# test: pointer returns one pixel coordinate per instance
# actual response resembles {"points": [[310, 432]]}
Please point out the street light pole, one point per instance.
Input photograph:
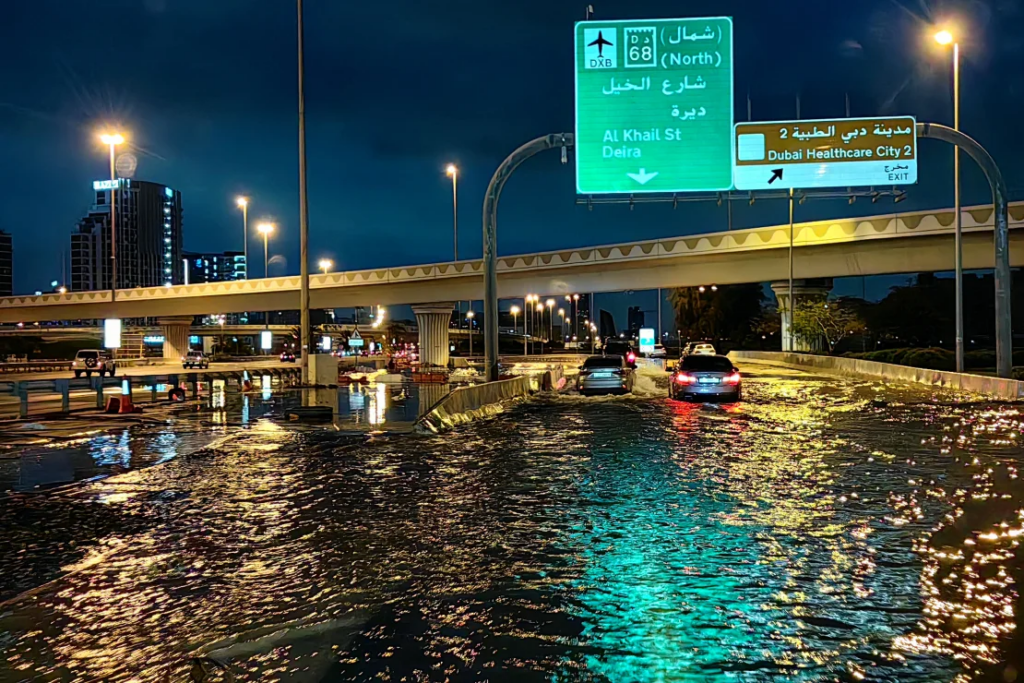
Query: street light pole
{"points": [[243, 203], [959, 239], [303, 209], [792, 296], [469, 318], [945, 38], [551, 319], [515, 325], [112, 140], [490, 237], [265, 229], [540, 320], [453, 172]]}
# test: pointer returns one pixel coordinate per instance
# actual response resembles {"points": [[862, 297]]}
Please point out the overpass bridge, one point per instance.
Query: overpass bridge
{"points": [[890, 243], [876, 245]]}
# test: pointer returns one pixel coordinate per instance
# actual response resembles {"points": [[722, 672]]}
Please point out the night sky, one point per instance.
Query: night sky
{"points": [[398, 89]]}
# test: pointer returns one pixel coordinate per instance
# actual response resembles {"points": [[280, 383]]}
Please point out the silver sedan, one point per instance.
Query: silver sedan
{"points": [[605, 375]]}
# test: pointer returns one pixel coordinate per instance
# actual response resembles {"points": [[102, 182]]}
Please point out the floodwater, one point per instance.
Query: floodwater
{"points": [[40, 456], [823, 530]]}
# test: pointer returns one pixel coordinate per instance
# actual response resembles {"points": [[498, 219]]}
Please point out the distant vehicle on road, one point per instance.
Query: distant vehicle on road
{"points": [[605, 375], [658, 352], [195, 359], [619, 347], [287, 357], [701, 377], [88, 361], [699, 349]]}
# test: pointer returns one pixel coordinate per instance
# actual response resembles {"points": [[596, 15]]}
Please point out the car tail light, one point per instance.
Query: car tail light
{"points": [[74, 363], [734, 378], [683, 378]]}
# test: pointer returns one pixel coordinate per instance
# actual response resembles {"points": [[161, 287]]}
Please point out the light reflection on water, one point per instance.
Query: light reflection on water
{"points": [[822, 530], [63, 458]]}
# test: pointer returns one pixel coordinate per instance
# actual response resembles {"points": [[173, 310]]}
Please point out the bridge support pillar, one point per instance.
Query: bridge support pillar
{"points": [[804, 290], [176, 331], [433, 321]]}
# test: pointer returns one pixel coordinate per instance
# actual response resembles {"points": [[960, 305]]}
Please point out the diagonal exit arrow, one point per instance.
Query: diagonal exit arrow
{"points": [[776, 175], [643, 177]]}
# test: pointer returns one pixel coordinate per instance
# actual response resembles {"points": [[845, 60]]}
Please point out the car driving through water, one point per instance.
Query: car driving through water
{"points": [[701, 377], [605, 375]]}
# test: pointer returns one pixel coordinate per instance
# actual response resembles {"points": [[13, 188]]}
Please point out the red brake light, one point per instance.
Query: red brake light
{"points": [[631, 356], [734, 378], [683, 378]]}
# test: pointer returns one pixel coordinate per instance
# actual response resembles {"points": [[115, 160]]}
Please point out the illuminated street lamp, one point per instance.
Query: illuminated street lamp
{"points": [[325, 264], [515, 325], [243, 204], [539, 323], [112, 140], [528, 320], [575, 314], [945, 37], [561, 324], [469, 318], [453, 173], [550, 303], [265, 229]]}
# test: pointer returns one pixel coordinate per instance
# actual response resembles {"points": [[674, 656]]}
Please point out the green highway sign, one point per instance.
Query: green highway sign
{"points": [[654, 105]]}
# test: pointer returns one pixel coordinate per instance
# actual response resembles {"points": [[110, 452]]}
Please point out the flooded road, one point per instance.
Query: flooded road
{"points": [[824, 529]]}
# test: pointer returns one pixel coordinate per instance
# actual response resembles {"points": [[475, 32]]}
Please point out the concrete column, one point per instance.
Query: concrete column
{"points": [[804, 289], [433, 321], [176, 331]]}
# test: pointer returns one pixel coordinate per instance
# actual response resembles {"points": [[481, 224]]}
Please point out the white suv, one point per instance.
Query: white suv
{"points": [[195, 359], [88, 361], [699, 349]]}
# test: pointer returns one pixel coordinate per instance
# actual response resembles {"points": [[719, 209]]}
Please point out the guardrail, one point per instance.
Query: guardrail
{"points": [[35, 366], [23, 389]]}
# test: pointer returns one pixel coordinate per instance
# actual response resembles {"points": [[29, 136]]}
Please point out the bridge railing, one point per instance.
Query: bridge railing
{"points": [[62, 388]]}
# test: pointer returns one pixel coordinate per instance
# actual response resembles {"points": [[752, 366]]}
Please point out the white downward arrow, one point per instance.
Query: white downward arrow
{"points": [[643, 176]]}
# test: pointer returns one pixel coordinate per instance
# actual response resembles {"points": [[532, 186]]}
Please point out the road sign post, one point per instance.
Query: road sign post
{"points": [[827, 153], [654, 105]]}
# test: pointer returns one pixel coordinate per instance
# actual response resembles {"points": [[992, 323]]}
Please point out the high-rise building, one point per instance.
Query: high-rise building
{"points": [[6, 264], [634, 319], [149, 237], [219, 267]]}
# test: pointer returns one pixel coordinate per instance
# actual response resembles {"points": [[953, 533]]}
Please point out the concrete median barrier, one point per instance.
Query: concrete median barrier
{"points": [[1005, 389], [469, 403]]}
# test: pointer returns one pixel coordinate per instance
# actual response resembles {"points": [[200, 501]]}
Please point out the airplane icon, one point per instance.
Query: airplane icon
{"points": [[600, 42]]}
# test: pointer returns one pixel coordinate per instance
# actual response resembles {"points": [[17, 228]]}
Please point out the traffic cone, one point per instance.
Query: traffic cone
{"points": [[126, 398]]}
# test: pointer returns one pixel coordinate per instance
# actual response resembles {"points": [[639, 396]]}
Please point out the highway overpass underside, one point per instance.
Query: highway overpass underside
{"points": [[931, 253]]}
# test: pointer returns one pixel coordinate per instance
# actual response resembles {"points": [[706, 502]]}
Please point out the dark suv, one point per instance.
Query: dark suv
{"points": [[88, 361], [618, 347]]}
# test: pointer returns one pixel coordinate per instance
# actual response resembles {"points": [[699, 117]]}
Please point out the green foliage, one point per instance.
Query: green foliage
{"points": [[930, 358], [730, 313], [830, 320]]}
